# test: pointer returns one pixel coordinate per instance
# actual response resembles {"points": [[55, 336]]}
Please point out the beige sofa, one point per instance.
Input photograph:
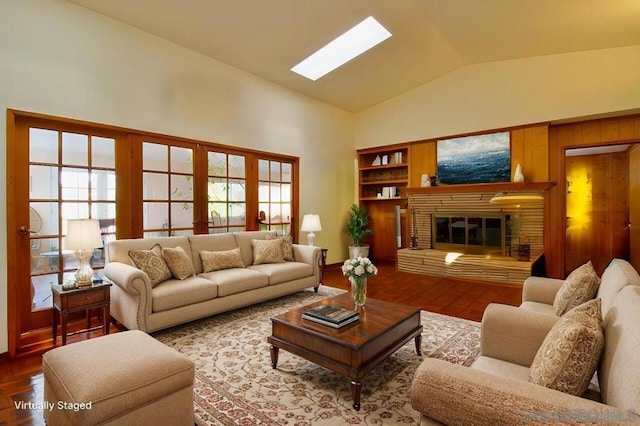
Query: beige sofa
{"points": [[496, 390], [139, 306]]}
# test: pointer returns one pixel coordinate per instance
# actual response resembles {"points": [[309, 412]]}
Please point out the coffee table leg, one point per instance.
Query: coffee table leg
{"points": [[274, 355], [418, 341], [356, 387]]}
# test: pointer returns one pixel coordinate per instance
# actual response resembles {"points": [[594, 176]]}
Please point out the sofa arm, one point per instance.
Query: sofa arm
{"points": [[134, 296], [310, 255], [541, 290], [458, 395], [512, 334]]}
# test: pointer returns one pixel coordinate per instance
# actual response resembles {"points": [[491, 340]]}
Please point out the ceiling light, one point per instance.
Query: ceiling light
{"points": [[352, 43]]}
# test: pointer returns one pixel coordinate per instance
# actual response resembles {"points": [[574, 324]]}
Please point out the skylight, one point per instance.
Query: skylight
{"points": [[352, 43]]}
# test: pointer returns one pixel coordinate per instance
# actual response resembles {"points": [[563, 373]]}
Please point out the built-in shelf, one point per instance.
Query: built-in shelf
{"points": [[480, 187]]}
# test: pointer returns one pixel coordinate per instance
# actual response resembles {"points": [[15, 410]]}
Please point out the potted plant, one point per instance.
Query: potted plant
{"points": [[358, 228]]}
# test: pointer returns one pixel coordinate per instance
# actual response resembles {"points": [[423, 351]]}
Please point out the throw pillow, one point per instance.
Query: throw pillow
{"points": [[179, 262], [581, 285], [570, 353], [287, 245], [267, 251], [151, 263], [217, 260]]}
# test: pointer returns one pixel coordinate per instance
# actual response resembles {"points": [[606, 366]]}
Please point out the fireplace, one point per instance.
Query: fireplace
{"points": [[487, 233]]}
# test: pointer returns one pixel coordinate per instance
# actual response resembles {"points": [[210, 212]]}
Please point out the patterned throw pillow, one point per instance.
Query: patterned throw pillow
{"points": [[217, 260], [179, 263], [151, 263], [287, 245], [267, 251], [570, 353], [581, 285]]}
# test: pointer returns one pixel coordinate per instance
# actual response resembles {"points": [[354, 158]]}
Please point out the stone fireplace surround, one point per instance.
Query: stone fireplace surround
{"points": [[469, 200]]}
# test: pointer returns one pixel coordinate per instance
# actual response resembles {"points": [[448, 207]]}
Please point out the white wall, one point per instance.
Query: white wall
{"points": [[63, 60], [507, 93]]}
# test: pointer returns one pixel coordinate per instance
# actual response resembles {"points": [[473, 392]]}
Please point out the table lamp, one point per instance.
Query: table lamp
{"points": [[83, 235], [310, 224]]}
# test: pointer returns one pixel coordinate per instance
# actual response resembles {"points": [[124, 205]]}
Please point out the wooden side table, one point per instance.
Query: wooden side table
{"points": [[66, 302], [323, 263]]}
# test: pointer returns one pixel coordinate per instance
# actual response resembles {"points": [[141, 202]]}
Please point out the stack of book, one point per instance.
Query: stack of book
{"points": [[333, 316]]}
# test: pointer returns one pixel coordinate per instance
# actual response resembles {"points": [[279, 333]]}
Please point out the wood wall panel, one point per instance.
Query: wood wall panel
{"points": [[422, 159], [530, 149], [634, 206]]}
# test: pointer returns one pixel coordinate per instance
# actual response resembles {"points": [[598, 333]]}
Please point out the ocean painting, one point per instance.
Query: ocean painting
{"points": [[475, 159]]}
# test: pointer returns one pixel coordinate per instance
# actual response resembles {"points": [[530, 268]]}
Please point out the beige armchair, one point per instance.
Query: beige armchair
{"points": [[495, 390]]}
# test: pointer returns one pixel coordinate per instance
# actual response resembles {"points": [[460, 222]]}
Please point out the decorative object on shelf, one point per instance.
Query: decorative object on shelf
{"points": [[517, 175], [357, 271], [377, 161], [311, 223], [83, 235], [358, 228], [425, 180], [385, 159]]}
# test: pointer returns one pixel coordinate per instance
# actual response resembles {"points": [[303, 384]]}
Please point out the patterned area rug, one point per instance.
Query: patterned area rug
{"points": [[235, 384]]}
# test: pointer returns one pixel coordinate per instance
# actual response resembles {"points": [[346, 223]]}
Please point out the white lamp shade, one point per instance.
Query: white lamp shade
{"points": [[311, 223], [83, 234]]}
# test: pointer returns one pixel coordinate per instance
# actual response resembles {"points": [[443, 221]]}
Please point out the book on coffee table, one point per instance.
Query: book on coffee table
{"points": [[333, 316]]}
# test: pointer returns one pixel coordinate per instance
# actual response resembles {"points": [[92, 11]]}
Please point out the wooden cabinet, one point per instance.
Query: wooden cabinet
{"points": [[383, 172]]}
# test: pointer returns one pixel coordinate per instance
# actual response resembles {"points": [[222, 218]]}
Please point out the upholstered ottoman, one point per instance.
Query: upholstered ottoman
{"points": [[126, 378]]}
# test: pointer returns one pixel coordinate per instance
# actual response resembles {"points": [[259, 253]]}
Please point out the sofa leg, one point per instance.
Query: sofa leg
{"points": [[316, 288]]}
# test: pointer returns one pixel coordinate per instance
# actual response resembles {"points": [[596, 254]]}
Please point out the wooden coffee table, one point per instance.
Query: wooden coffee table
{"points": [[354, 349]]}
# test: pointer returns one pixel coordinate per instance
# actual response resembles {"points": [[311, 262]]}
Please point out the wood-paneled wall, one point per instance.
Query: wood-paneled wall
{"points": [[608, 131], [634, 206]]}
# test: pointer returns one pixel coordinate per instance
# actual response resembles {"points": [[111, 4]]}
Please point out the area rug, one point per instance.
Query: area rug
{"points": [[235, 384]]}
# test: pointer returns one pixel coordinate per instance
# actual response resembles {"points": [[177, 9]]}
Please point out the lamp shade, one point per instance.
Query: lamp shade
{"points": [[311, 223], [83, 234]]}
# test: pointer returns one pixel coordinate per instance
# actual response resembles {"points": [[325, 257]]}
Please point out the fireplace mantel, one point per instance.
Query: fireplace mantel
{"points": [[479, 187]]}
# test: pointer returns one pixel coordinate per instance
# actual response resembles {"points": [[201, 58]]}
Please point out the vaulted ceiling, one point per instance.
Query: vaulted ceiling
{"points": [[430, 37]]}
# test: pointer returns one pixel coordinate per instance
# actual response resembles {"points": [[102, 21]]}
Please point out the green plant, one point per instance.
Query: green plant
{"points": [[358, 224]]}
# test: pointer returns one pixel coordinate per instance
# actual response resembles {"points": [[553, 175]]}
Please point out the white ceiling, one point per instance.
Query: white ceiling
{"points": [[430, 37]]}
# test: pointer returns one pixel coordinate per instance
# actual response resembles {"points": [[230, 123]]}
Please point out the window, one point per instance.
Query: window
{"points": [[226, 192]]}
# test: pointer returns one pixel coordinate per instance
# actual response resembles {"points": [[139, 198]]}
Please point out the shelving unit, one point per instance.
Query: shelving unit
{"points": [[383, 173]]}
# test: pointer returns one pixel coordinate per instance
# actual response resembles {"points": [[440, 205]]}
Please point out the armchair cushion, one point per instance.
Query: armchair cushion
{"points": [[581, 285], [151, 263], [570, 353]]}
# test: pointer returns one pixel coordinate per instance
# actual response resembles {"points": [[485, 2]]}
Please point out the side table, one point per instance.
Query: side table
{"points": [[323, 263], [66, 302]]}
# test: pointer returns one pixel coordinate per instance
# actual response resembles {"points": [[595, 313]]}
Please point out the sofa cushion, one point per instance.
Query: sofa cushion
{"points": [[175, 293], [237, 280], [283, 272], [179, 262], [217, 260], [581, 285], [287, 245], [618, 274], [151, 263], [243, 240], [570, 353], [618, 374], [209, 242], [267, 251]]}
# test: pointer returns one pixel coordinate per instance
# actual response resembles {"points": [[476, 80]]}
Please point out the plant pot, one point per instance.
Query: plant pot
{"points": [[358, 251]]}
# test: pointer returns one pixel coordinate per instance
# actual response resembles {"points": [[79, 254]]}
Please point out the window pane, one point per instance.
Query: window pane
{"points": [[154, 186], [236, 190], [286, 172], [275, 171], [48, 213], [75, 149], [286, 212], [103, 185], [217, 164], [275, 216], [155, 157], [218, 214], [43, 182], [236, 166], [73, 211], [105, 213], [275, 192], [263, 169], [155, 215], [263, 192], [103, 152], [43, 146], [217, 189], [43, 256], [74, 184], [237, 214], [181, 187], [286, 192], [182, 215], [41, 291], [181, 160]]}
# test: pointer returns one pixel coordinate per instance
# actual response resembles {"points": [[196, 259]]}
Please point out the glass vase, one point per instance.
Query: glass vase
{"points": [[358, 290]]}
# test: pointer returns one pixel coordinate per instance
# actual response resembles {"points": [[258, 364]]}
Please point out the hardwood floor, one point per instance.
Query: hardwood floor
{"points": [[22, 380]]}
